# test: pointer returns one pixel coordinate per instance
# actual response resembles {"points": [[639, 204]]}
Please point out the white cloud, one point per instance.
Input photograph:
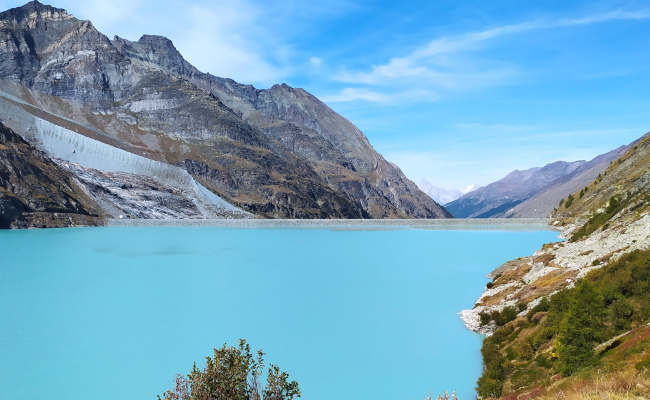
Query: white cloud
{"points": [[316, 61], [227, 40], [352, 94], [449, 63], [106, 13]]}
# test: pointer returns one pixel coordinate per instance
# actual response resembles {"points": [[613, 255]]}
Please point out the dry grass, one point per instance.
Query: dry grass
{"points": [[544, 258], [621, 385]]}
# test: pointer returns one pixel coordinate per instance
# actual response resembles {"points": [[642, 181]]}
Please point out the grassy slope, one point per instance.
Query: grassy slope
{"points": [[526, 357], [621, 189], [529, 354]]}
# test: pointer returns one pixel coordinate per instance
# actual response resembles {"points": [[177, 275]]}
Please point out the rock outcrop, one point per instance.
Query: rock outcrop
{"points": [[36, 192]]}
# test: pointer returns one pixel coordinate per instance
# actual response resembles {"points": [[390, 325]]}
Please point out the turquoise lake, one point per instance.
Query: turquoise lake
{"points": [[114, 313]]}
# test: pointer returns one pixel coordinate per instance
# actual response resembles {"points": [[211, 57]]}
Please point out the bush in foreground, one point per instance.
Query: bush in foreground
{"points": [[233, 373]]}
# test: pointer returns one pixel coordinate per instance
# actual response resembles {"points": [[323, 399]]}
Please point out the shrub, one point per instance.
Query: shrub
{"points": [[501, 335], [543, 305], [232, 373], [508, 314], [621, 314], [525, 350], [521, 306], [526, 375], [543, 336], [543, 361], [511, 353], [490, 285], [643, 364], [485, 318], [569, 201], [614, 205]]}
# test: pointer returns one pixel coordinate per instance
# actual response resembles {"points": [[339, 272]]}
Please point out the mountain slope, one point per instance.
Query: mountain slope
{"points": [[618, 195], [532, 193], [496, 198], [277, 152], [543, 202], [534, 307], [36, 192], [303, 124]]}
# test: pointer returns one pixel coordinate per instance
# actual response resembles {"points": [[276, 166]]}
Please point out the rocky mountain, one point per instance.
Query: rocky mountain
{"points": [[36, 192], [543, 202], [498, 197], [532, 193], [275, 153]]}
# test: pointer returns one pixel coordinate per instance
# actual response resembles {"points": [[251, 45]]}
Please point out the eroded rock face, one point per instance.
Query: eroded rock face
{"points": [[337, 150], [278, 152], [128, 195], [36, 192]]}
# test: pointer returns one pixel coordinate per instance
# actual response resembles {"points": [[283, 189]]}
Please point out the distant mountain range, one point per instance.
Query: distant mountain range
{"points": [[534, 192], [278, 153], [442, 195]]}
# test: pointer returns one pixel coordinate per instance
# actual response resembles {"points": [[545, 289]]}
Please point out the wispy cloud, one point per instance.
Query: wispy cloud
{"points": [[350, 94], [228, 40], [449, 63], [247, 40], [107, 13], [315, 61]]}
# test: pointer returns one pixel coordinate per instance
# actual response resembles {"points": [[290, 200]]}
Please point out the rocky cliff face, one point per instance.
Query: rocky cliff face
{"points": [[278, 152], [36, 192]]}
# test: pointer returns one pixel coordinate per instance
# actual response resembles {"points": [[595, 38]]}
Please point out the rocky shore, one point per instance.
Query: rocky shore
{"points": [[526, 280]]}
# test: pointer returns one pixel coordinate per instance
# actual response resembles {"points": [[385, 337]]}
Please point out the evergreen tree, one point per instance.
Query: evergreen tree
{"points": [[581, 328]]}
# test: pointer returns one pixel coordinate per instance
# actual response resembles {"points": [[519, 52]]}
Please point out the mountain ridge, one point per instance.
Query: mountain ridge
{"points": [[531, 193]]}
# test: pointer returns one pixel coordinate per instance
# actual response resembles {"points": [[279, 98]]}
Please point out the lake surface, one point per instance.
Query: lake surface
{"points": [[115, 313]]}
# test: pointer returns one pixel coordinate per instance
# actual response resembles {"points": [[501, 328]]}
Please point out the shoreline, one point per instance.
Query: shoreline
{"points": [[563, 259], [514, 224]]}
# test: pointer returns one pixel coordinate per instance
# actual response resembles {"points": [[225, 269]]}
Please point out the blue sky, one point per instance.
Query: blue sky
{"points": [[453, 92]]}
